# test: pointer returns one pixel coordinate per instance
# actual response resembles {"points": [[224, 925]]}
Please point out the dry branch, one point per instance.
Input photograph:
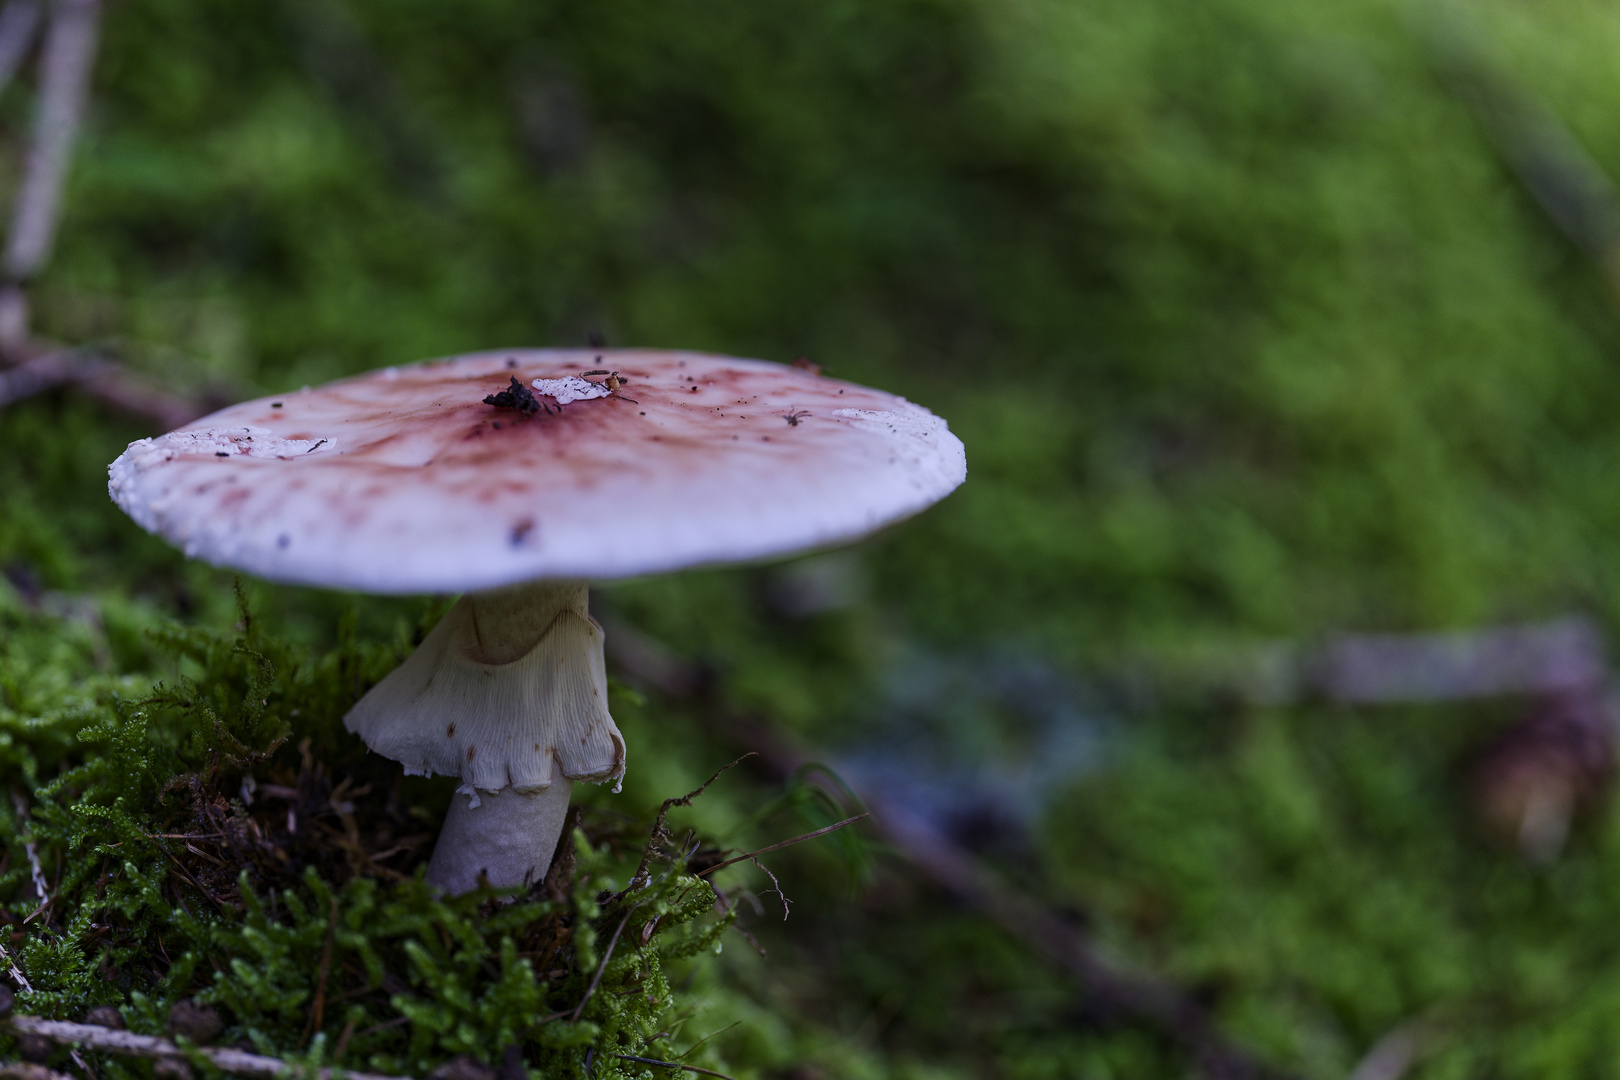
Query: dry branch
{"points": [[1140, 997], [27, 1070], [45, 372], [1550, 163], [19, 21], [65, 64], [128, 1044], [101, 379]]}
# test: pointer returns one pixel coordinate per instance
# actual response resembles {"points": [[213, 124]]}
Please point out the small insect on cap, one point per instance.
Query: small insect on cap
{"points": [[407, 480]]}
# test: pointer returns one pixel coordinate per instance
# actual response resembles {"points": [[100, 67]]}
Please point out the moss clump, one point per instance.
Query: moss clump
{"points": [[189, 850]]}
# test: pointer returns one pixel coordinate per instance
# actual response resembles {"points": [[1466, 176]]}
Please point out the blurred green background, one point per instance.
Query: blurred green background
{"points": [[1251, 332]]}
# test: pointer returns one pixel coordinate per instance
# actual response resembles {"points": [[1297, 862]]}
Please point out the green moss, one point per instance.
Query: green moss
{"points": [[1248, 330], [164, 887]]}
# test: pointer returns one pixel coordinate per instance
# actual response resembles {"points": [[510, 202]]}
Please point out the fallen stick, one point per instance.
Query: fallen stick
{"points": [[117, 389], [64, 86], [104, 380], [19, 21], [1562, 656], [128, 1044], [27, 1070], [45, 372], [1551, 164], [67, 58], [1143, 998], [1551, 658]]}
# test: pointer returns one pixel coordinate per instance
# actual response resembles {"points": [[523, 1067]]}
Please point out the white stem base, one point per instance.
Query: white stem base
{"points": [[507, 839]]}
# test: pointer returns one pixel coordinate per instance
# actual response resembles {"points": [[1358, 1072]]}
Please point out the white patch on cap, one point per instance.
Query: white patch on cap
{"points": [[570, 388]]}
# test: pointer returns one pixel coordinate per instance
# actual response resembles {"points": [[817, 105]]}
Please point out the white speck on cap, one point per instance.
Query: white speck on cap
{"points": [[570, 389], [408, 482]]}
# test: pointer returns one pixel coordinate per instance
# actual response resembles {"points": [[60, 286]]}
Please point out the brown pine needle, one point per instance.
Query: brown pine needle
{"points": [[317, 1014], [343, 1040], [785, 843], [195, 883]]}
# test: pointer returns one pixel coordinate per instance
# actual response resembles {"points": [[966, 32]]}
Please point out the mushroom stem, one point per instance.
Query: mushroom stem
{"points": [[509, 693], [507, 623], [504, 839]]}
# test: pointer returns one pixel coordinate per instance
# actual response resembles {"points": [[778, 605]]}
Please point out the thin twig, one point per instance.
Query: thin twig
{"points": [[129, 1044], [115, 388], [1555, 169], [785, 843], [1159, 1003], [19, 21], [670, 1065], [641, 878], [104, 380], [46, 372], [1394, 1054], [178, 865], [776, 885], [600, 968], [65, 64]]}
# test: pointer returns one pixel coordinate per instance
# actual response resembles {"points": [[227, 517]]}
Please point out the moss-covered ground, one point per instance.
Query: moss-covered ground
{"points": [[1251, 335]]}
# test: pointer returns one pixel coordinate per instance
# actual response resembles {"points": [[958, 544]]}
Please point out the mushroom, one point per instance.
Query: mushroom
{"points": [[514, 478]]}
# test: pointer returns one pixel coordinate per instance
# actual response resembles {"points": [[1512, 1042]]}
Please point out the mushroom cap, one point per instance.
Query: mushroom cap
{"points": [[405, 481]]}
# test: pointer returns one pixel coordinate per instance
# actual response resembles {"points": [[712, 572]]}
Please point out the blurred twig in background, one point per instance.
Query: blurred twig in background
{"points": [[65, 66], [101, 378], [19, 20], [1532, 779], [66, 63], [1528, 783], [1559, 656], [1392, 1056], [1538, 148], [105, 1040], [1110, 988]]}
